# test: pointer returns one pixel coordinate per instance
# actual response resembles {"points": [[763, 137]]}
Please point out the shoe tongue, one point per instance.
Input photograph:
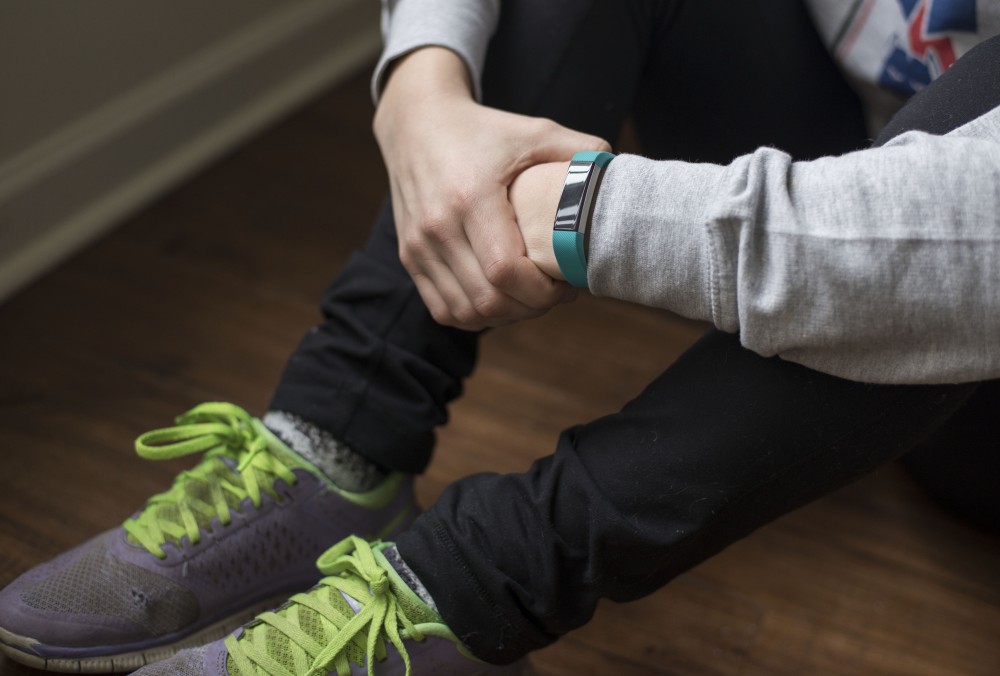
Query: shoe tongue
{"points": [[196, 488], [413, 606], [352, 602], [219, 467]]}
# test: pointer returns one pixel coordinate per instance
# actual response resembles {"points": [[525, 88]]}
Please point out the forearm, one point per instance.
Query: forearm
{"points": [[882, 265], [463, 27], [431, 73]]}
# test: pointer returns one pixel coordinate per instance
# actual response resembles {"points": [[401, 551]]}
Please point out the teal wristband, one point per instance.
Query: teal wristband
{"points": [[569, 232]]}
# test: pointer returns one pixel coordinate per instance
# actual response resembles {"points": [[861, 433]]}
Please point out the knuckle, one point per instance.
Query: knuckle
{"points": [[544, 126], [501, 273], [491, 306], [441, 315], [466, 316], [408, 256], [434, 227], [415, 244], [462, 198], [602, 144]]}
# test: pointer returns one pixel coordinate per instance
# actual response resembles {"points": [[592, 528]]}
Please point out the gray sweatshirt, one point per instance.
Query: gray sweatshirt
{"points": [[882, 265]]}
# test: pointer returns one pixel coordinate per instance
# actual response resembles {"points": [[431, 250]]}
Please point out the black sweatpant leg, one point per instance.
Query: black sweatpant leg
{"points": [[720, 444], [959, 463], [379, 371]]}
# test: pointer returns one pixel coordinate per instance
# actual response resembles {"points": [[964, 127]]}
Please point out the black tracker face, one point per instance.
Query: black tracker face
{"points": [[575, 190]]}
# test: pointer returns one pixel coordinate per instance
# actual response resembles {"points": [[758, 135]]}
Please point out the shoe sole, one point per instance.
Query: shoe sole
{"points": [[15, 647]]}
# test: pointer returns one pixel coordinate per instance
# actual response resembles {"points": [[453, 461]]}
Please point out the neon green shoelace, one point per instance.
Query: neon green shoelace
{"points": [[224, 432], [317, 631]]}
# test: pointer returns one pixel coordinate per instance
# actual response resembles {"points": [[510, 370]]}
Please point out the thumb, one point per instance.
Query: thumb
{"points": [[559, 143]]}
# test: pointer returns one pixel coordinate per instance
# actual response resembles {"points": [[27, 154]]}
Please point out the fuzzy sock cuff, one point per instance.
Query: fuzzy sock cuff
{"points": [[344, 466]]}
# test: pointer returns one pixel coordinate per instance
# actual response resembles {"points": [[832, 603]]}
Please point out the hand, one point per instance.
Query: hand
{"points": [[450, 162], [534, 194]]}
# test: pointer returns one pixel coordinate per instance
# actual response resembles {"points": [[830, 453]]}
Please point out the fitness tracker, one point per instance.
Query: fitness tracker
{"points": [[569, 232]]}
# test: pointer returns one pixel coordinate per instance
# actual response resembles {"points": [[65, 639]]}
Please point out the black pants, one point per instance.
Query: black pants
{"points": [[721, 443]]}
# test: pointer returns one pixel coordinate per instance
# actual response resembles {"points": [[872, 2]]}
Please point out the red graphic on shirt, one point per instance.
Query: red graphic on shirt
{"points": [[920, 44]]}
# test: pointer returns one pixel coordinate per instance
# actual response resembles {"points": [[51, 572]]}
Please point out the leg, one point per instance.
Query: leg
{"points": [[958, 464], [759, 76], [378, 373], [722, 443]]}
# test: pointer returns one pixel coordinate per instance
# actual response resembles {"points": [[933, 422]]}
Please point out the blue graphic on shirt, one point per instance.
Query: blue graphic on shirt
{"points": [[926, 51], [904, 74], [951, 15]]}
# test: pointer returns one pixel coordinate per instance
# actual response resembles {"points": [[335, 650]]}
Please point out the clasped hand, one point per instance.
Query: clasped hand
{"points": [[463, 178]]}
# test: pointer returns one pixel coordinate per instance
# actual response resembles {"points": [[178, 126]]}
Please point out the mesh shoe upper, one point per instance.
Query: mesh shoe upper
{"points": [[98, 583]]}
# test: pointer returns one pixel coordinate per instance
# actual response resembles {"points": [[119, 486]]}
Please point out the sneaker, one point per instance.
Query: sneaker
{"points": [[233, 536], [361, 619]]}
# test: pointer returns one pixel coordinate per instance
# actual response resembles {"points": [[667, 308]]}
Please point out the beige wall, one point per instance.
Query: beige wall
{"points": [[104, 104], [64, 58]]}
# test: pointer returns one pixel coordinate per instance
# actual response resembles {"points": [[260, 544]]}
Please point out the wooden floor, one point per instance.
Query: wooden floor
{"points": [[202, 296]]}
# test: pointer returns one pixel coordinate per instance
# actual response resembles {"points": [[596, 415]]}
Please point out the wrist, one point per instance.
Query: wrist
{"points": [[430, 75], [429, 70], [534, 195], [573, 214]]}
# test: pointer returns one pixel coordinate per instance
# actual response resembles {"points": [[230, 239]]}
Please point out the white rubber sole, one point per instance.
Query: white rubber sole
{"points": [[15, 647]]}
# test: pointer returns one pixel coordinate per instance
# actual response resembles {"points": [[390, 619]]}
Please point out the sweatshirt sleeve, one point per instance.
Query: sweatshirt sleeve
{"points": [[463, 26], [882, 265]]}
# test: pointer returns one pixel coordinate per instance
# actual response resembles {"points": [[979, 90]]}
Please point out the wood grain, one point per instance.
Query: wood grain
{"points": [[203, 295]]}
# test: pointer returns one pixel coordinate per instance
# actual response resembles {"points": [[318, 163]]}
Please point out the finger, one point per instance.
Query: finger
{"points": [[442, 251], [501, 254], [453, 286], [418, 256], [435, 279], [437, 306], [470, 296], [450, 306]]}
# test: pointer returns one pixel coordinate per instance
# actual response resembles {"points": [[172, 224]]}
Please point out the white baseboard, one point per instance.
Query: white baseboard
{"points": [[65, 191]]}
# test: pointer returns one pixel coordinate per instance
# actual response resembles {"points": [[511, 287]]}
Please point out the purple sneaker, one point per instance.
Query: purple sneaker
{"points": [[233, 536], [361, 619]]}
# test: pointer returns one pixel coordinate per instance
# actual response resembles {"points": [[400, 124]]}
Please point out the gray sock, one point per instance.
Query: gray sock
{"points": [[342, 464], [409, 577]]}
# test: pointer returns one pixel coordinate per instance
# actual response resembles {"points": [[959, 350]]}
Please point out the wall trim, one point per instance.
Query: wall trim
{"points": [[75, 185]]}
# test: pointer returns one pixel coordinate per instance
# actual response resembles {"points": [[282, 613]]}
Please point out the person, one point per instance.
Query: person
{"points": [[854, 291]]}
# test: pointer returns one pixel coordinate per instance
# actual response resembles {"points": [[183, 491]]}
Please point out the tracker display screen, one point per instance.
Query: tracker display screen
{"points": [[568, 213]]}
